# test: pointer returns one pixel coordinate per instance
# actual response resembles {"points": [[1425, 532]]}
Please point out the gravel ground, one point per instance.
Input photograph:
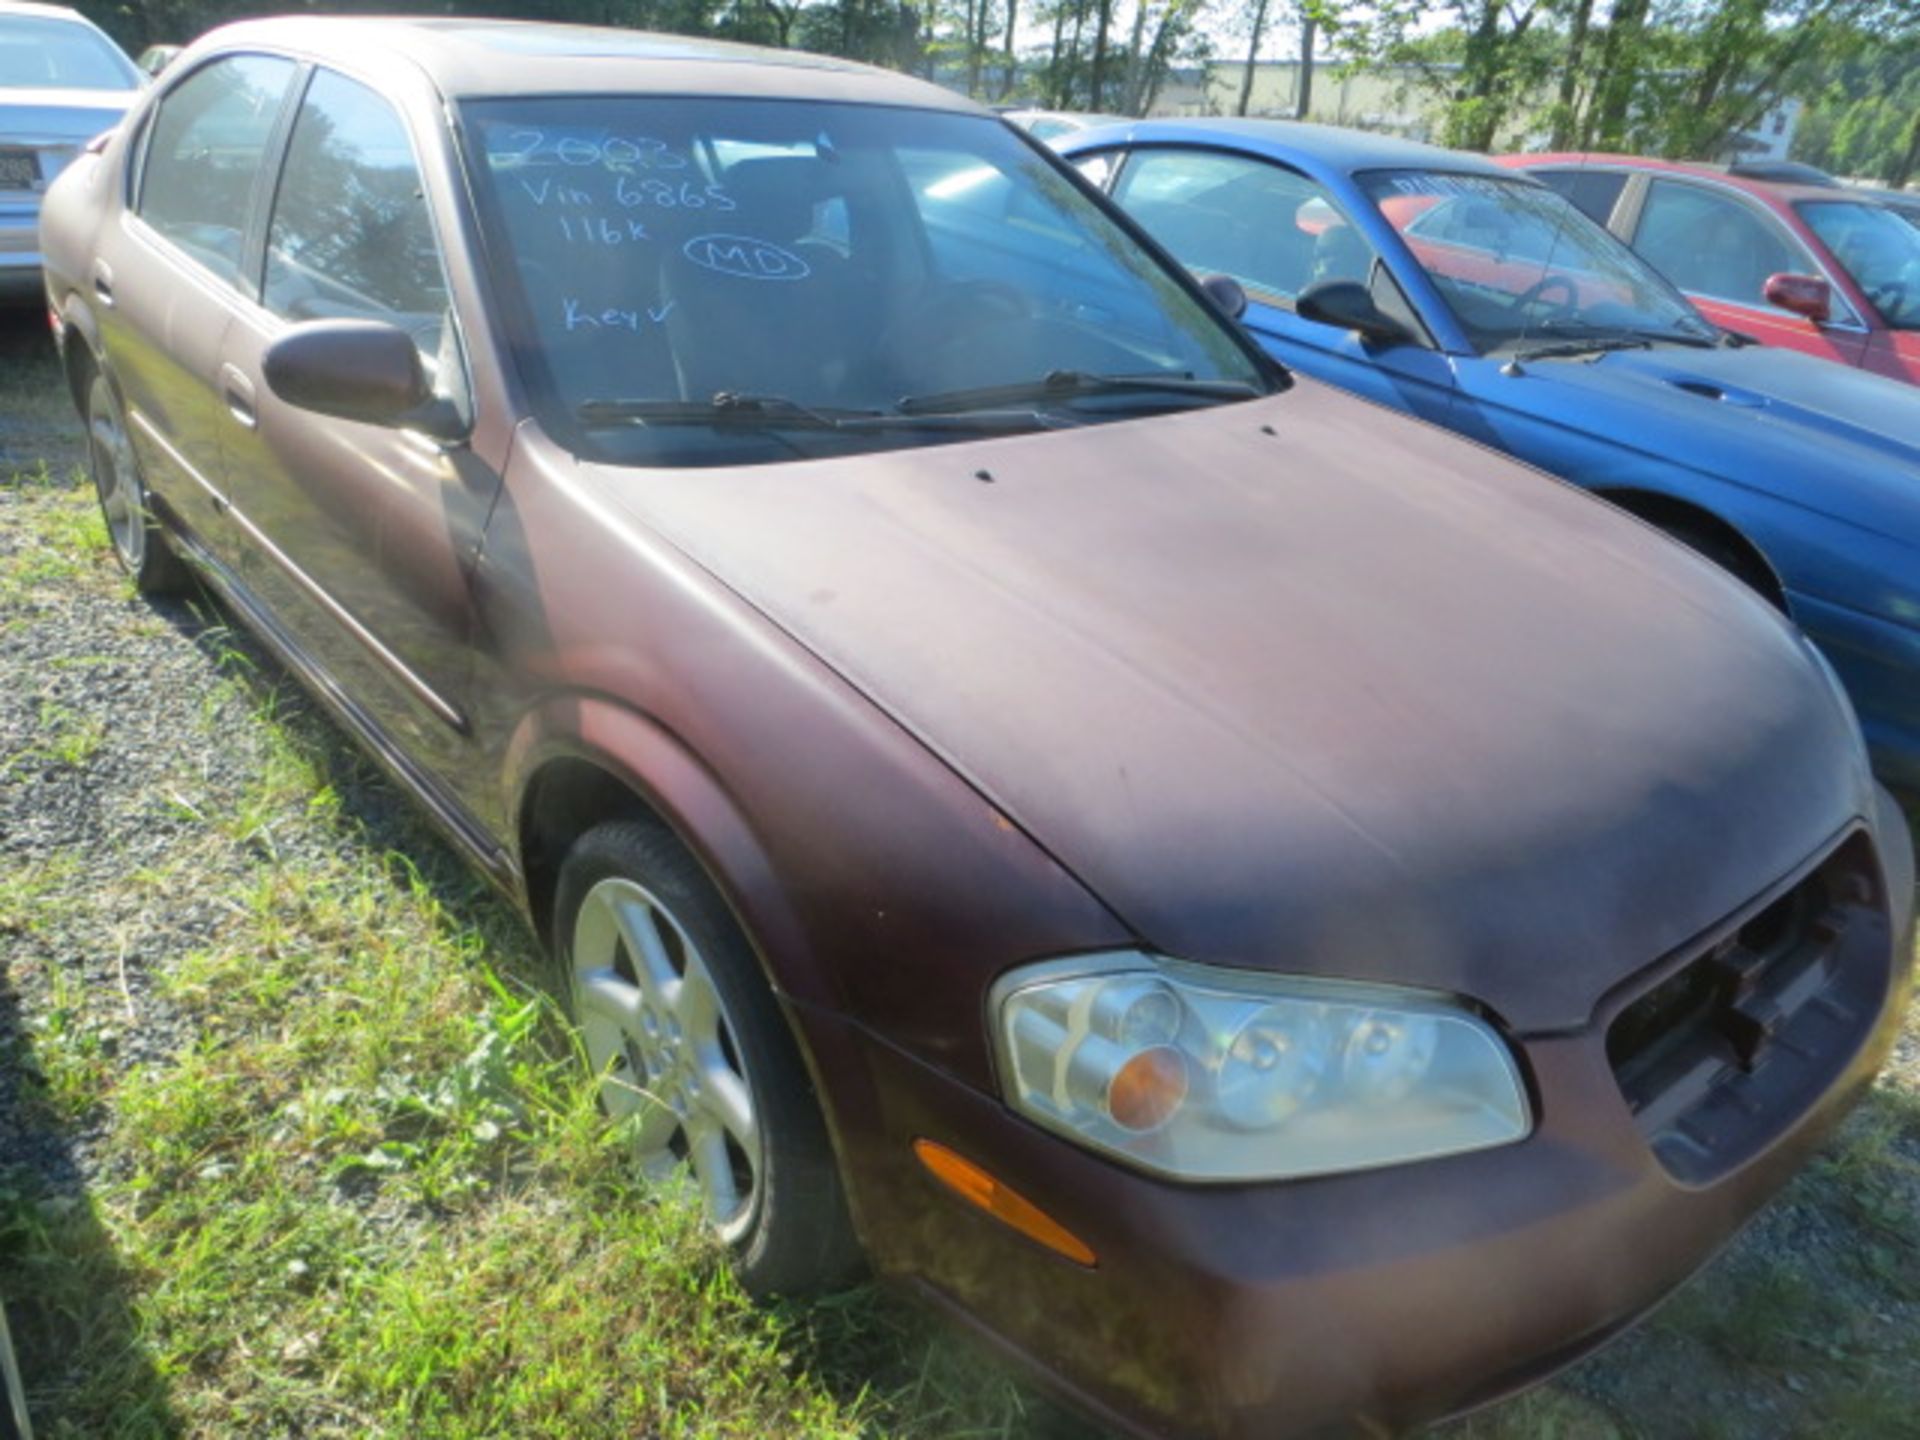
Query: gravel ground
{"points": [[106, 705]]}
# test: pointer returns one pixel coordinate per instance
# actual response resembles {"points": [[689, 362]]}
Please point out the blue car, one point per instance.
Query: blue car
{"points": [[1446, 287]]}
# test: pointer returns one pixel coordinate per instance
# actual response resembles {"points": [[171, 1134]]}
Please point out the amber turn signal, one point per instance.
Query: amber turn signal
{"points": [[978, 1188]]}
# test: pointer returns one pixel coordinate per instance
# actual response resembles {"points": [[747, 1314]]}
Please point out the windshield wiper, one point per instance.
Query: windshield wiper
{"points": [[1072, 384], [730, 409], [1681, 337], [725, 408], [1599, 343], [1583, 331]]}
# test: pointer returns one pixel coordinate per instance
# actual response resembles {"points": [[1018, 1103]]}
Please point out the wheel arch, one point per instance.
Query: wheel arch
{"points": [[80, 362], [584, 761], [1725, 543]]}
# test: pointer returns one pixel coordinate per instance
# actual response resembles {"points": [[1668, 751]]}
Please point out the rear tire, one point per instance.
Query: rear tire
{"points": [[695, 1055], [138, 542]]}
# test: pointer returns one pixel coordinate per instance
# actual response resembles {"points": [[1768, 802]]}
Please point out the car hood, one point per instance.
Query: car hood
{"points": [[1821, 435], [44, 116], [1299, 685]]}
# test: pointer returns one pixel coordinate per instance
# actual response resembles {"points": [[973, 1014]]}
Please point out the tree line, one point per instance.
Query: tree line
{"points": [[1679, 78]]}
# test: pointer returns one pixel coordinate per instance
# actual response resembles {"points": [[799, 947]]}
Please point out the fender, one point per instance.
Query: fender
{"points": [[77, 318], [669, 778]]}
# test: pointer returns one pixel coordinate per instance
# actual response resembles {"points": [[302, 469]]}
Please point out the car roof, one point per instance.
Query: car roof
{"points": [[1331, 147], [1777, 190], [44, 12], [471, 58]]}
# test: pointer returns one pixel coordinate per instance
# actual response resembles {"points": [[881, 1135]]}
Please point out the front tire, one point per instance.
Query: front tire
{"points": [[137, 540], [694, 1054]]}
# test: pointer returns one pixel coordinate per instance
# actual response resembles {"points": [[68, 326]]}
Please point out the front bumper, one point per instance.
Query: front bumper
{"points": [[1364, 1302]]}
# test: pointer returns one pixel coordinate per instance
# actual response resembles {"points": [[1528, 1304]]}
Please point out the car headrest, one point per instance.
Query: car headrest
{"points": [[777, 194]]}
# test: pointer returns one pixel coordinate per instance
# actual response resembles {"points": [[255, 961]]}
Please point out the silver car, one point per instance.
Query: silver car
{"points": [[62, 82]]}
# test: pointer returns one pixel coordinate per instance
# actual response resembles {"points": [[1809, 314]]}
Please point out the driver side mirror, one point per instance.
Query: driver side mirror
{"points": [[363, 370], [1807, 295], [1349, 305]]}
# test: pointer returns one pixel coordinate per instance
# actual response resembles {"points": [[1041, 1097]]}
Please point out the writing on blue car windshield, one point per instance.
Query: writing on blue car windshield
{"points": [[1518, 265], [702, 282]]}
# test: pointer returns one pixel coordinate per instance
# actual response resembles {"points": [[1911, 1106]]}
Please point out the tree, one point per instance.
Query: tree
{"points": [[1255, 30], [1566, 112], [1303, 96], [1863, 104], [1172, 31], [1096, 85], [1485, 68]]}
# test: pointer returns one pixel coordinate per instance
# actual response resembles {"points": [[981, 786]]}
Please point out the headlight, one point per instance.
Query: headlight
{"points": [[1204, 1074]]}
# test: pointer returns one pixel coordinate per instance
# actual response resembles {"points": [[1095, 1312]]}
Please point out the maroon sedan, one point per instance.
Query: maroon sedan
{"points": [[1279, 916]]}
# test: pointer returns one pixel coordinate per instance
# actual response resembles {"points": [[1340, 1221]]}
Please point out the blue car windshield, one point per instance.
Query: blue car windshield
{"points": [[725, 281], [1880, 250], [1516, 262]]}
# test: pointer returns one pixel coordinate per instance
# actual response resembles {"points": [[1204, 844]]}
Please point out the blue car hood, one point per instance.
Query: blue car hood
{"points": [[1764, 417]]}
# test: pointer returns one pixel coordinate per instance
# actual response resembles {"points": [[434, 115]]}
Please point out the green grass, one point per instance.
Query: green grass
{"points": [[377, 1197], [66, 544], [374, 1196]]}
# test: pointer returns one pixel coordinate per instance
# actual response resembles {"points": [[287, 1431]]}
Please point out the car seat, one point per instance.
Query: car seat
{"points": [[761, 300]]}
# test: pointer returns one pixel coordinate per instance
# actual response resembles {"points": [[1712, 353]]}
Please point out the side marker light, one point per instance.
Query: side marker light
{"points": [[979, 1189]]}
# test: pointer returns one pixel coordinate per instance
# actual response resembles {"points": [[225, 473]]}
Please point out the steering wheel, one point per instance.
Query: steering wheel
{"points": [[1538, 291]]}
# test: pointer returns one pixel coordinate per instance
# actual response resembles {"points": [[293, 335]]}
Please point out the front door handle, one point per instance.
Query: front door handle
{"points": [[238, 391], [103, 282]]}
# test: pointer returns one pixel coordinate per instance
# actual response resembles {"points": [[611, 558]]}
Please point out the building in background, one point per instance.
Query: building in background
{"points": [[1397, 100], [1771, 138]]}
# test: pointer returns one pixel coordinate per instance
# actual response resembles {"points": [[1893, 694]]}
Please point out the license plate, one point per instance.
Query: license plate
{"points": [[19, 169]]}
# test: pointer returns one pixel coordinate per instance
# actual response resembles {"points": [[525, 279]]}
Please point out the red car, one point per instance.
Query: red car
{"points": [[1830, 271]]}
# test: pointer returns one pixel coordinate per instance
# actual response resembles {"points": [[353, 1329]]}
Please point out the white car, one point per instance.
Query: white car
{"points": [[62, 82]]}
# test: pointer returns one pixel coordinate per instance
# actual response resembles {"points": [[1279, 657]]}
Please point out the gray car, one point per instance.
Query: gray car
{"points": [[62, 82]]}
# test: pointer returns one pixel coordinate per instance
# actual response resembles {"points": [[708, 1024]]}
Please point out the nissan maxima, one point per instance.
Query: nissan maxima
{"points": [[1281, 917]]}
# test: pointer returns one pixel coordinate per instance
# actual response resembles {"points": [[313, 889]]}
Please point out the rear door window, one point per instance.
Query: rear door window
{"points": [[203, 153], [1593, 192]]}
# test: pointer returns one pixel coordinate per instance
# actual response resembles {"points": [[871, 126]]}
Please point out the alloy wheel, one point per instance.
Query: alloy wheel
{"points": [[116, 477], [658, 1033]]}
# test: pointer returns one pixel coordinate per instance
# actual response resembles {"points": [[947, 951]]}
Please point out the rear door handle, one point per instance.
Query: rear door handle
{"points": [[238, 391], [103, 282]]}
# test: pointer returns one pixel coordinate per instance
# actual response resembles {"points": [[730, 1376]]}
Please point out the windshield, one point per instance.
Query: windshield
{"points": [[1879, 250], [701, 282], [1516, 261], [43, 54]]}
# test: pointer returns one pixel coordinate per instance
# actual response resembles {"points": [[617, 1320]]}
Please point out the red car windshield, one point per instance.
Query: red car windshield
{"points": [[1879, 250]]}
